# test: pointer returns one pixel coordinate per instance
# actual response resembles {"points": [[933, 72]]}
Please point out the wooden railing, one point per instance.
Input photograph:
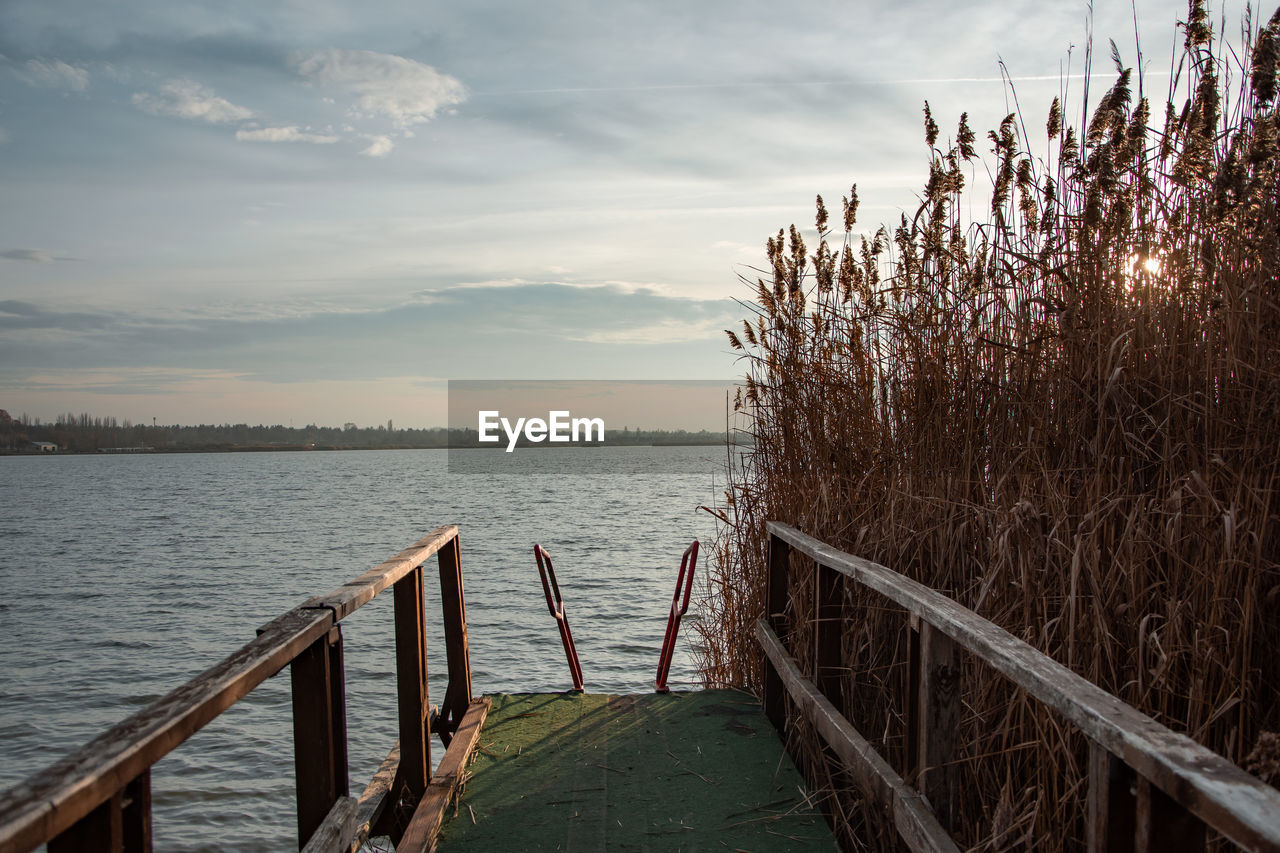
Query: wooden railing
{"points": [[99, 797], [1149, 788]]}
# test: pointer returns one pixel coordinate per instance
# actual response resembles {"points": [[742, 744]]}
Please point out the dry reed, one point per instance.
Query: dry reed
{"points": [[1064, 416]]}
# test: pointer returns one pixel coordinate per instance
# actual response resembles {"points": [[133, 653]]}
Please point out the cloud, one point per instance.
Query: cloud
{"points": [[663, 332], [119, 381], [284, 134], [39, 256], [55, 74], [4, 137], [380, 146], [401, 89], [188, 99], [494, 329], [738, 248]]}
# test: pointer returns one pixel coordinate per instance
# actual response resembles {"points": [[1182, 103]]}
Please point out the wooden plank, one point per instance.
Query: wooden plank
{"points": [[135, 812], [411, 685], [828, 635], [336, 832], [100, 831], [376, 800], [779, 570], [828, 665], [319, 732], [54, 799], [359, 591], [916, 824], [912, 703], [338, 712], [420, 835], [457, 697], [937, 718], [779, 566], [1111, 803], [1221, 794]]}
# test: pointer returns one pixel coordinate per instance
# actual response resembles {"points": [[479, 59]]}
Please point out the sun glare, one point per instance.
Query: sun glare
{"points": [[1141, 267]]}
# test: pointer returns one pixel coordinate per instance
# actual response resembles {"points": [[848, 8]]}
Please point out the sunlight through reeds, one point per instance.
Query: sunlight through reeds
{"points": [[1066, 416]]}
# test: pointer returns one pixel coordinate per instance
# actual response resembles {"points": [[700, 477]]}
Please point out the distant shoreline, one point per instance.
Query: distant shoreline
{"points": [[301, 448]]}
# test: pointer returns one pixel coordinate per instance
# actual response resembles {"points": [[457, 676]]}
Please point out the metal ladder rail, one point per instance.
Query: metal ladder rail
{"points": [[678, 609], [555, 604]]}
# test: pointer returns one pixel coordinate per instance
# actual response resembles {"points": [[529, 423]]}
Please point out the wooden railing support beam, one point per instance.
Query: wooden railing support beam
{"points": [[775, 615], [319, 731], [1163, 826], [135, 813], [457, 697], [938, 707], [411, 687], [829, 635], [121, 824], [1112, 800], [100, 831]]}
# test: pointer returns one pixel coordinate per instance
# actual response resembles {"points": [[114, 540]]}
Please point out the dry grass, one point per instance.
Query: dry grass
{"points": [[1067, 417]]}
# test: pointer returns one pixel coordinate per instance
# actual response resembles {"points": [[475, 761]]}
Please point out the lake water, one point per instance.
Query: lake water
{"points": [[127, 575]]}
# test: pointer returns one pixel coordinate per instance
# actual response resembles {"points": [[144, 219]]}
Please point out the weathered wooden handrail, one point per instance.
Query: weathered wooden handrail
{"points": [[1145, 781], [98, 797]]}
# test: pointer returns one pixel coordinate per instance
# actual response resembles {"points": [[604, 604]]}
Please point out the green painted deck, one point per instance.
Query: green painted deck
{"points": [[584, 772]]}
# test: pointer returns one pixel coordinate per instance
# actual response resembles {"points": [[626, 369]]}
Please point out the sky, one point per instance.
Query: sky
{"points": [[320, 212]]}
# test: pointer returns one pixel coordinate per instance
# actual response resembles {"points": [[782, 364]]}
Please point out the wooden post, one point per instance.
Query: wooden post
{"points": [[913, 699], [775, 615], [100, 831], [937, 702], [1111, 803], [828, 635], [319, 731], [121, 824], [411, 687], [457, 698], [135, 811], [1164, 825], [829, 670]]}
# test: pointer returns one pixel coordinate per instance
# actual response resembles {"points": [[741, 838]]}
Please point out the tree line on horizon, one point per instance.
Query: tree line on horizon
{"points": [[85, 433]]}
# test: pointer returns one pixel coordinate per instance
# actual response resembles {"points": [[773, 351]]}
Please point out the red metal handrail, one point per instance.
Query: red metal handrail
{"points": [[678, 609], [555, 603]]}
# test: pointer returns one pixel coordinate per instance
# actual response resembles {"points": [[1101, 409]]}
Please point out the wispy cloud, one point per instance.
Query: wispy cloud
{"points": [[380, 147], [284, 134], [737, 248], [403, 90], [745, 85], [565, 322], [188, 99], [116, 380], [38, 256], [55, 74], [663, 332]]}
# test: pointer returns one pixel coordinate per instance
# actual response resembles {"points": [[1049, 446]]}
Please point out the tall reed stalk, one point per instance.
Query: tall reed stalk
{"points": [[1066, 416]]}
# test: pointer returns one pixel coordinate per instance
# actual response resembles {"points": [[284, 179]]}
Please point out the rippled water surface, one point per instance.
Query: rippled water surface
{"points": [[126, 575]]}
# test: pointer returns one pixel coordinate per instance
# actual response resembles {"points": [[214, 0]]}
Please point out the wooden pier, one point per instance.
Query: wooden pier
{"points": [[587, 772], [701, 770]]}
